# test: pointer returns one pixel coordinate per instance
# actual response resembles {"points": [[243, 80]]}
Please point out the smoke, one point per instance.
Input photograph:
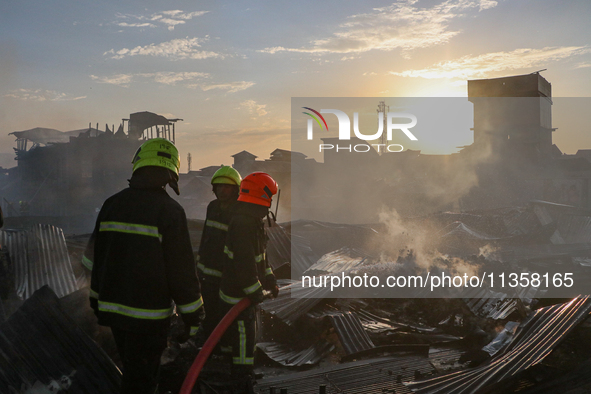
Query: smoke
{"points": [[489, 252], [412, 246]]}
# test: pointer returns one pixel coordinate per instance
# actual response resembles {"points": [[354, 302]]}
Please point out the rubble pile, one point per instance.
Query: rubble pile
{"points": [[519, 338]]}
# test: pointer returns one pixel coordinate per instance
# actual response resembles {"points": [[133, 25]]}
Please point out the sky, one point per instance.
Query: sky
{"points": [[230, 69]]}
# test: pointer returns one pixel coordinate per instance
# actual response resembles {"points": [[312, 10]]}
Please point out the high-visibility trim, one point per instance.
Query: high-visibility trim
{"points": [[192, 307], [268, 271], [251, 289], [209, 271], [194, 330], [228, 252], [242, 359], [218, 225], [228, 299], [93, 294], [138, 313], [130, 228], [88, 263]]}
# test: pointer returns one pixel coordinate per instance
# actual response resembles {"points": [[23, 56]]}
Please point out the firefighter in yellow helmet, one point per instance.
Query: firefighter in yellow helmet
{"points": [[141, 260], [210, 259]]}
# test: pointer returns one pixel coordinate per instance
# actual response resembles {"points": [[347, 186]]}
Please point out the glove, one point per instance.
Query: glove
{"points": [[274, 291], [191, 330], [256, 297], [270, 284], [201, 314], [185, 335], [188, 333]]}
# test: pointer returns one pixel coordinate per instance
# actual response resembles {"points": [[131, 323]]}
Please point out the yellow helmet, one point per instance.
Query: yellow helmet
{"points": [[158, 152], [226, 175]]}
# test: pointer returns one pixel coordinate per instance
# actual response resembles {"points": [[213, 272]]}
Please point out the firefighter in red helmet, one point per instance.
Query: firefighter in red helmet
{"points": [[247, 271]]}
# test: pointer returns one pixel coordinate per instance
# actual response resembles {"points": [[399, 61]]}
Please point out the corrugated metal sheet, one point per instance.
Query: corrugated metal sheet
{"points": [[384, 375], [325, 237], [534, 340], [577, 381], [49, 262], [341, 260], [489, 304], [41, 347], [488, 223], [16, 243], [459, 229], [353, 337], [520, 221], [284, 355], [294, 301], [284, 248], [2, 312], [575, 229], [514, 254], [40, 257]]}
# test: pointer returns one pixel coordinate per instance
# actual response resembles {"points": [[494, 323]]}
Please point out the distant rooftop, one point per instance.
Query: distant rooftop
{"points": [[529, 85]]}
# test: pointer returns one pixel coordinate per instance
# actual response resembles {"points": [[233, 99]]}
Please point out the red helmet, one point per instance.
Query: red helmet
{"points": [[258, 188]]}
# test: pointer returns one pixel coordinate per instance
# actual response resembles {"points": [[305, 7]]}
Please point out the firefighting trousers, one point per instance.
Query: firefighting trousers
{"points": [[140, 354], [210, 291], [241, 336]]}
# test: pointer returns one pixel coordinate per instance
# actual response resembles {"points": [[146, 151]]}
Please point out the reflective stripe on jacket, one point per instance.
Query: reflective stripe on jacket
{"points": [[246, 269], [211, 249], [142, 261]]}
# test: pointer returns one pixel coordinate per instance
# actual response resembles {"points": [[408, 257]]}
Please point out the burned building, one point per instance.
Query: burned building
{"points": [[65, 177], [513, 123], [513, 115]]}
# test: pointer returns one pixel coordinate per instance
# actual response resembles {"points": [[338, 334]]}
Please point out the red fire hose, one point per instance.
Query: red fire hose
{"points": [[209, 345]]}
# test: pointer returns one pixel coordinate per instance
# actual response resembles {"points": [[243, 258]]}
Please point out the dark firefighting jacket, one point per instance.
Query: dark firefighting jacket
{"points": [[246, 269], [210, 258], [141, 259]]}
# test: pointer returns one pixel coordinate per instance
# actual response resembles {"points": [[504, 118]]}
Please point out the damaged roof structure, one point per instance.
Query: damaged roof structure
{"points": [[65, 176], [485, 342], [491, 339], [43, 351]]}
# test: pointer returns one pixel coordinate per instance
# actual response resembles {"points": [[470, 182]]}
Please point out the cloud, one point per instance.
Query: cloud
{"points": [[41, 95], [119, 79], [231, 87], [181, 15], [167, 78], [402, 25], [171, 22], [483, 65], [172, 19], [486, 4], [125, 24], [177, 49], [187, 79], [253, 107]]}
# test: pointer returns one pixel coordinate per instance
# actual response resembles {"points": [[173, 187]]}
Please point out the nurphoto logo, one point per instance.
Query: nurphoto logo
{"points": [[345, 129]]}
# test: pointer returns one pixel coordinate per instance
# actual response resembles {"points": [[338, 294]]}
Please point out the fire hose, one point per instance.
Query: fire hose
{"points": [[209, 345]]}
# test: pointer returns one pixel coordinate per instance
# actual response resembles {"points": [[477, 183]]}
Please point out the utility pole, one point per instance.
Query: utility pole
{"points": [[189, 161], [382, 107]]}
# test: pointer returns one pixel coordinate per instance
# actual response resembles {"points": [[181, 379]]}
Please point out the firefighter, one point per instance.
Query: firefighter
{"points": [[210, 258], [246, 271], [141, 260]]}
